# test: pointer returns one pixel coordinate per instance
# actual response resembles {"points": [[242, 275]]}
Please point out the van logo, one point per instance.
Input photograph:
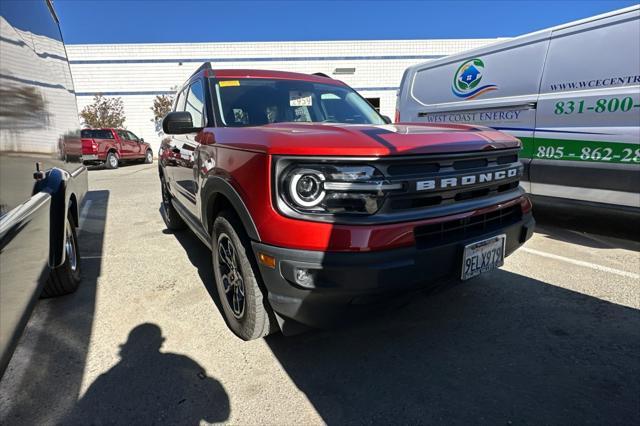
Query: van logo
{"points": [[466, 81]]}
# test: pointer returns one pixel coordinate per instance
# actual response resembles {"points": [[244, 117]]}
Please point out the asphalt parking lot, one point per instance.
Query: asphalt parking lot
{"points": [[553, 337]]}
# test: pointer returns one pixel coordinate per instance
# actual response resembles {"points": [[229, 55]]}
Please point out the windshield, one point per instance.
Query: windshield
{"points": [[254, 102]]}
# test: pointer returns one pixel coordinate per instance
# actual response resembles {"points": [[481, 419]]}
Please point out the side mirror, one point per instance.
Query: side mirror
{"points": [[141, 139], [386, 119], [178, 122]]}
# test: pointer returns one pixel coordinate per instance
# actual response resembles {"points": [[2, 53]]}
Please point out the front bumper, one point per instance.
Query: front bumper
{"points": [[343, 283]]}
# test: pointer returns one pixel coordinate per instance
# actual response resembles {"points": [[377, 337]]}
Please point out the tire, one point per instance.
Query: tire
{"points": [[171, 217], [65, 278], [245, 307], [148, 157], [111, 161]]}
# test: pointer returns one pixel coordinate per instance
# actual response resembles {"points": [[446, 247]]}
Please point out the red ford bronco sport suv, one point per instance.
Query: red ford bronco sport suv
{"points": [[315, 206], [112, 146]]}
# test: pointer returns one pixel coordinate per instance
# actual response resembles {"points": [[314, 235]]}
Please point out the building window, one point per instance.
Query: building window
{"points": [[375, 102]]}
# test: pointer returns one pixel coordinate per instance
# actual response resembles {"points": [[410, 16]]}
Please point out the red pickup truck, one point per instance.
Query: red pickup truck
{"points": [[112, 146]]}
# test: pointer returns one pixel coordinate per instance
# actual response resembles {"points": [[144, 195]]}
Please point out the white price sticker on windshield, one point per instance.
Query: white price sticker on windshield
{"points": [[297, 98]]}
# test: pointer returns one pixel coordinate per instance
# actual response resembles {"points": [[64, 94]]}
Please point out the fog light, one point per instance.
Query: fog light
{"points": [[303, 277]]}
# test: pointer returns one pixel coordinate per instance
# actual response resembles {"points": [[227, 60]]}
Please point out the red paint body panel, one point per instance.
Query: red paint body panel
{"points": [[311, 139], [244, 160], [272, 75]]}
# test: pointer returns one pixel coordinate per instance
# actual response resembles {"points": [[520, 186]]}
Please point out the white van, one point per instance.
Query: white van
{"points": [[570, 93]]}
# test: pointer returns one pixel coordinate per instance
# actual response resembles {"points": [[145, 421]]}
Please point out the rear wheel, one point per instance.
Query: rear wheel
{"points": [[244, 305], [112, 160], [65, 278], [171, 217], [148, 157]]}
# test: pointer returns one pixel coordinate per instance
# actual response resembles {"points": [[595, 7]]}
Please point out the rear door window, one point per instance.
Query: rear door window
{"points": [[96, 134]]}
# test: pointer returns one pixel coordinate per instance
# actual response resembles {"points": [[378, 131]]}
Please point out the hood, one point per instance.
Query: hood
{"points": [[364, 140]]}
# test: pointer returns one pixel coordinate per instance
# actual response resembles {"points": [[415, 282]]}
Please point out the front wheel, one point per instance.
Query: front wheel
{"points": [[244, 306], [148, 158], [65, 278]]}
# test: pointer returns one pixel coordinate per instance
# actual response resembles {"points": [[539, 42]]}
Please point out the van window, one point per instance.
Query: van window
{"points": [[195, 103]]}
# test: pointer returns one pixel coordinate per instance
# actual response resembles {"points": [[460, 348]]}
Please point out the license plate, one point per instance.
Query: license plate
{"points": [[483, 256], [89, 157]]}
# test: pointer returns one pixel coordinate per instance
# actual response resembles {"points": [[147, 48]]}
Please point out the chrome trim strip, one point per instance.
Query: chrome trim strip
{"points": [[348, 186]]}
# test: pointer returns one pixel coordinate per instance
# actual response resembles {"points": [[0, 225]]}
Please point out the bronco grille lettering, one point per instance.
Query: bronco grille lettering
{"points": [[452, 182]]}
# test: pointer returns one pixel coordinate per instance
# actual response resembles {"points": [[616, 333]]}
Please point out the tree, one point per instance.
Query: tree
{"points": [[103, 112], [161, 106]]}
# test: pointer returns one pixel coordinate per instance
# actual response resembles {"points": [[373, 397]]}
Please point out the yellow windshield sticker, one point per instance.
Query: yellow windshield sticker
{"points": [[227, 83]]}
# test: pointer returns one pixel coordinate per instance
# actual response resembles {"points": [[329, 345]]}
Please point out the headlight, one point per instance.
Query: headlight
{"points": [[334, 189], [305, 187]]}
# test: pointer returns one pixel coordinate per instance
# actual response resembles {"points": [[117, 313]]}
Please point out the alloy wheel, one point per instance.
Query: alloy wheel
{"points": [[232, 279], [70, 250]]}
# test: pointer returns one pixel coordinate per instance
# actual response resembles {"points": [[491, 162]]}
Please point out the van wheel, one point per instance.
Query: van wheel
{"points": [[65, 278], [171, 217], [112, 161], [148, 157], [245, 307]]}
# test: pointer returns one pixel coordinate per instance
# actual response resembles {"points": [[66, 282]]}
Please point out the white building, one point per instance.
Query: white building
{"points": [[139, 72]]}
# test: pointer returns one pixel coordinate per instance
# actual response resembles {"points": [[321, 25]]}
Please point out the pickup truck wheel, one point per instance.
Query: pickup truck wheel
{"points": [[65, 278], [171, 217], [245, 308], [148, 157], [112, 161]]}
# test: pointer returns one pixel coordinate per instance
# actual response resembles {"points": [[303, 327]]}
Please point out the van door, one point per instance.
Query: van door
{"points": [[495, 87], [587, 139]]}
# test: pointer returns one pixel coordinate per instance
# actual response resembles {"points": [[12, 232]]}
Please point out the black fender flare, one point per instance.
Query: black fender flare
{"points": [[214, 185], [59, 184]]}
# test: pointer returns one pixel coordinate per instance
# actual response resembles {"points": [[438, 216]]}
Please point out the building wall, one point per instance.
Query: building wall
{"points": [[139, 72]]}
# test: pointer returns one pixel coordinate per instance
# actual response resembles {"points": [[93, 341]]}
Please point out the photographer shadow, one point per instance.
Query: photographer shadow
{"points": [[152, 387]]}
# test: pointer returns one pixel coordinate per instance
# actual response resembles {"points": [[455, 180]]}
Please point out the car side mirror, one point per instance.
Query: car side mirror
{"points": [[178, 123], [386, 119], [141, 139]]}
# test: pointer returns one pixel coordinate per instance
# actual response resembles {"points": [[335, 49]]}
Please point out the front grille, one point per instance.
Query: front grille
{"points": [[473, 226], [410, 171]]}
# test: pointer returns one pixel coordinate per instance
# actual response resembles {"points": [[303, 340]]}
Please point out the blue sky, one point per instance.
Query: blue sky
{"points": [[163, 21]]}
